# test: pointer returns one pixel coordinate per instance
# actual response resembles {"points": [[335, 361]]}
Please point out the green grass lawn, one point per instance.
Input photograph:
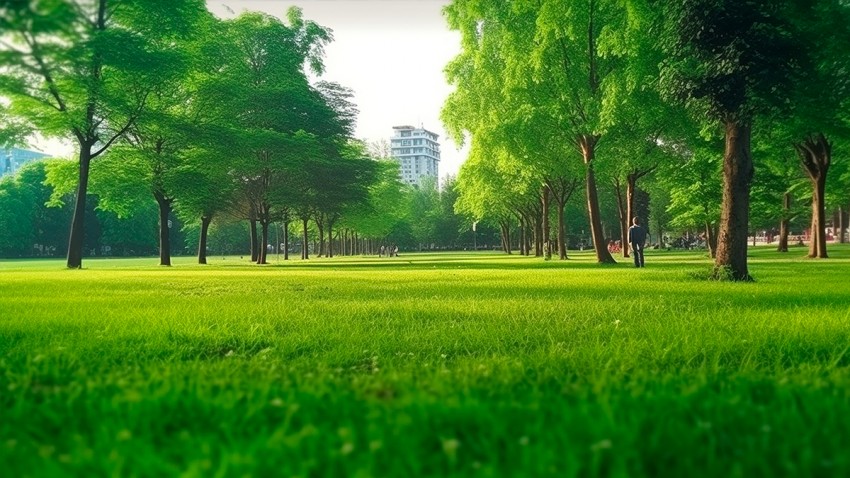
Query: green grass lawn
{"points": [[440, 365]]}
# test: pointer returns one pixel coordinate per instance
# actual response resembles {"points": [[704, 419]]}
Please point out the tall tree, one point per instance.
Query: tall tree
{"points": [[821, 100], [730, 62], [84, 70], [273, 108]]}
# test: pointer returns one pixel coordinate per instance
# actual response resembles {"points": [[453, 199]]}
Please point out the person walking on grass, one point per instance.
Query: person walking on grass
{"points": [[637, 238]]}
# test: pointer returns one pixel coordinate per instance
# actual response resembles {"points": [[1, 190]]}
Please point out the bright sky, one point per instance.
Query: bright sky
{"points": [[390, 52]]}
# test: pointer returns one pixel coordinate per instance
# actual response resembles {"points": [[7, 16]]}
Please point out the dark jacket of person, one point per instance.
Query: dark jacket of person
{"points": [[637, 235]]}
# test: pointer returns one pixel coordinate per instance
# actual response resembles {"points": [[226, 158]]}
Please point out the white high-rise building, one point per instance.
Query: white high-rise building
{"points": [[417, 152]]}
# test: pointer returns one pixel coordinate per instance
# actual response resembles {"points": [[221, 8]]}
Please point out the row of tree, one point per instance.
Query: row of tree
{"points": [[560, 96], [203, 117], [677, 201], [32, 224]]}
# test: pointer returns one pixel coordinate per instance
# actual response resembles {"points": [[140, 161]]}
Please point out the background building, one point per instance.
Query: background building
{"points": [[417, 152], [13, 158]]}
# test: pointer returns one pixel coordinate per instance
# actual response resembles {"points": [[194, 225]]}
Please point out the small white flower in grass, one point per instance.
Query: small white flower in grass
{"points": [[276, 402], [230, 353], [617, 323], [443, 355]]}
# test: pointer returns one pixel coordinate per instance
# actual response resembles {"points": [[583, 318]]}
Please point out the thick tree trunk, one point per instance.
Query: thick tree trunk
{"points": [[841, 225], [783, 224], [731, 260], [202, 241], [164, 232], [711, 239], [815, 153], [588, 148], [252, 228], [76, 240], [305, 238], [562, 232], [817, 246], [264, 242]]}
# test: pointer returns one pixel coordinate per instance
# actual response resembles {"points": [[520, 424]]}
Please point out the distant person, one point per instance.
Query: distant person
{"points": [[381, 251], [395, 251], [637, 238]]}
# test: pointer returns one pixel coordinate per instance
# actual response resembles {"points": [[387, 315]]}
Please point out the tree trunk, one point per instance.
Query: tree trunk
{"points": [[330, 239], [320, 225], [537, 233], [286, 240], [546, 230], [76, 241], [711, 239], [264, 242], [562, 232], [731, 260], [202, 242], [631, 186], [164, 233], [305, 254], [841, 225], [783, 224], [815, 153], [523, 250], [506, 236], [588, 147], [252, 223], [817, 246]]}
